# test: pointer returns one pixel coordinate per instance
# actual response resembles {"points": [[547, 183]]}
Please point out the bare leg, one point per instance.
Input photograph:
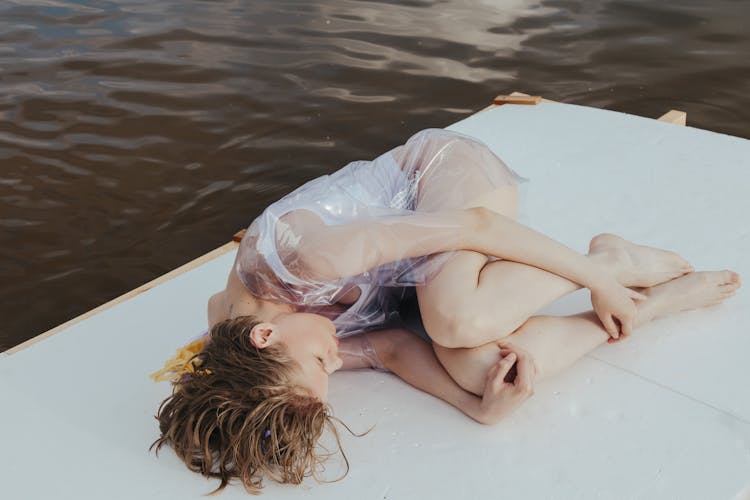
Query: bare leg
{"points": [[472, 299], [507, 293], [557, 342]]}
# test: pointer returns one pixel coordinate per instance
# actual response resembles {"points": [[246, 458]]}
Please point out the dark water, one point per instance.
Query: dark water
{"points": [[137, 135]]}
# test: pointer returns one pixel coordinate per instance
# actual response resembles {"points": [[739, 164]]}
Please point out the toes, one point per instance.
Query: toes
{"points": [[684, 264], [680, 262], [729, 284], [730, 277]]}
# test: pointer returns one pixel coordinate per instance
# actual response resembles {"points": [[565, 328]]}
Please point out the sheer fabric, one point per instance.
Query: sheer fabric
{"points": [[392, 185]]}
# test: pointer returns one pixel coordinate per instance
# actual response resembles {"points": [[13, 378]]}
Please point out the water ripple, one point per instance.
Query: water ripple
{"points": [[136, 135]]}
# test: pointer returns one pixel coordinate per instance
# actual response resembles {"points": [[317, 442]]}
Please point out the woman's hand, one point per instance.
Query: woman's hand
{"points": [[500, 397], [611, 299]]}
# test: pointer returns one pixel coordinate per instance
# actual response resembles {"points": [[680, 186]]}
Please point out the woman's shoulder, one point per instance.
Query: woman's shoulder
{"points": [[269, 267]]}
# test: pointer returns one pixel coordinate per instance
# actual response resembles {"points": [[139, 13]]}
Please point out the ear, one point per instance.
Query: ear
{"points": [[264, 334]]}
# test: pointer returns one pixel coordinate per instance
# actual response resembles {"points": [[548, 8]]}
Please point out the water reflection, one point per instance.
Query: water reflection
{"points": [[136, 135]]}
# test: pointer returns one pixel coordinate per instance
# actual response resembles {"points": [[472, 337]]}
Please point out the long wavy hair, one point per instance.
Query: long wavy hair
{"points": [[236, 413]]}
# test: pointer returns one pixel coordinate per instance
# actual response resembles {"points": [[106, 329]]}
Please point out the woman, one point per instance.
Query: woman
{"points": [[433, 219]]}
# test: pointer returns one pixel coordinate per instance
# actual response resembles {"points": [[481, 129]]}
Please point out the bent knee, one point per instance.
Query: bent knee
{"points": [[468, 367], [443, 330], [467, 332], [444, 326]]}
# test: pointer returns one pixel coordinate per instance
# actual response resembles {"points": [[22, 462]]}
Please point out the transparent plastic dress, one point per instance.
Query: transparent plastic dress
{"points": [[357, 350], [436, 169]]}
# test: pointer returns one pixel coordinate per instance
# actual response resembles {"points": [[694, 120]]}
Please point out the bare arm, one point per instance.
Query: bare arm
{"points": [[332, 252], [413, 360]]}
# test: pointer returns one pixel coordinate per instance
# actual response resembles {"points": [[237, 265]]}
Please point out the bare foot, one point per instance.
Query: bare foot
{"points": [[692, 291], [637, 265]]}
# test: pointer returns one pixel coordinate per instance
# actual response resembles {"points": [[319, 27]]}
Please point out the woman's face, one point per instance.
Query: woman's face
{"points": [[310, 339]]}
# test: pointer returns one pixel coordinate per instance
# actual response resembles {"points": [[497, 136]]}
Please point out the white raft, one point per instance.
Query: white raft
{"points": [[665, 414]]}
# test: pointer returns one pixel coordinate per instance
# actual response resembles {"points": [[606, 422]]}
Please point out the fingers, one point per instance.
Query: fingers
{"points": [[524, 378], [522, 354], [627, 328], [609, 325], [526, 370], [502, 368], [636, 295]]}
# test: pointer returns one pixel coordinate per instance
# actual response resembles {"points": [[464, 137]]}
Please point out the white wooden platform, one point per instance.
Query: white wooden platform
{"points": [[664, 415]]}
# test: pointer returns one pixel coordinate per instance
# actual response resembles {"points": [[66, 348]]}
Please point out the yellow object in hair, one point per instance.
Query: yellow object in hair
{"points": [[180, 363]]}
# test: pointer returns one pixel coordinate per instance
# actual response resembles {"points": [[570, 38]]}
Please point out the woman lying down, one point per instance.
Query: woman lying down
{"points": [[320, 277]]}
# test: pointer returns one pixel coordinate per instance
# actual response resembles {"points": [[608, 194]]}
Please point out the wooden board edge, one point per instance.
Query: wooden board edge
{"points": [[213, 254], [514, 94], [673, 116]]}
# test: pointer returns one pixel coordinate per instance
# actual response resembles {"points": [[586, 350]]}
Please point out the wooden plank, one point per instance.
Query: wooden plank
{"points": [[517, 99], [498, 101], [217, 252], [674, 116]]}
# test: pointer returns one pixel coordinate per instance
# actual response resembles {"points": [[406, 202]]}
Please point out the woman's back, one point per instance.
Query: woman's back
{"points": [[268, 262]]}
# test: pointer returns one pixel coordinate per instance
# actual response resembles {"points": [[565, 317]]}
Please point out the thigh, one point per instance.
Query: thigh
{"points": [[467, 176], [468, 366]]}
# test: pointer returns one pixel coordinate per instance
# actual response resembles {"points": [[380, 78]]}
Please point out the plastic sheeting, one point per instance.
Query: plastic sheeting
{"points": [[435, 169]]}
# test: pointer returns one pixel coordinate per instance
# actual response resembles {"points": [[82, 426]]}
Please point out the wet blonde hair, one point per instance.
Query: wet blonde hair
{"points": [[235, 413]]}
